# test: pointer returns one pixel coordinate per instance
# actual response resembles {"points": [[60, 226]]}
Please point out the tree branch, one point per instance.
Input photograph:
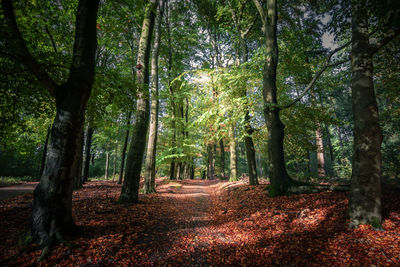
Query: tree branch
{"points": [[247, 31], [327, 65], [260, 11], [312, 82], [22, 53], [393, 33]]}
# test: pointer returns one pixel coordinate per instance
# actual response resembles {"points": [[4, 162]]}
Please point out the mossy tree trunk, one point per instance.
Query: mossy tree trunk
{"points": [[150, 167], [52, 205], [130, 187], [279, 178], [365, 193]]}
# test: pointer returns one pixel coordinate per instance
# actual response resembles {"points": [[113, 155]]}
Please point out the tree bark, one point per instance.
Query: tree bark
{"points": [[248, 139], [150, 169], [250, 153], [365, 191], [87, 155], [130, 187], [78, 171], [52, 205], [46, 142], [107, 165], [210, 165], [233, 158], [121, 170], [222, 159], [320, 151], [114, 163], [172, 170], [279, 178]]}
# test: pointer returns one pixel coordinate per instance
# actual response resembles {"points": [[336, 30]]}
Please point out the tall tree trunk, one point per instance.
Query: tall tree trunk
{"points": [[320, 151], [150, 169], [107, 165], [121, 170], [210, 165], [250, 153], [192, 172], [114, 163], [78, 172], [222, 159], [172, 170], [279, 178], [46, 142], [365, 191], [87, 155], [329, 140], [248, 139], [52, 205], [130, 187], [233, 155]]}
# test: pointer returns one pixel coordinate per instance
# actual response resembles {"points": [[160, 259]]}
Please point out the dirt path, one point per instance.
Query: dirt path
{"points": [[15, 190], [184, 227]]}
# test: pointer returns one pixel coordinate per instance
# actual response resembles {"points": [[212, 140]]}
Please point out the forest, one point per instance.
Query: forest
{"points": [[200, 132]]}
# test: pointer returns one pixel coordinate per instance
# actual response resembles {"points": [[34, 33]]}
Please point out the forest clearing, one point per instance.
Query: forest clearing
{"points": [[208, 223], [199, 132]]}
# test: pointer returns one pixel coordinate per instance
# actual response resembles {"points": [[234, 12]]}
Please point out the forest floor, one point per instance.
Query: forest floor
{"points": [[203, 223], [15, 190]]}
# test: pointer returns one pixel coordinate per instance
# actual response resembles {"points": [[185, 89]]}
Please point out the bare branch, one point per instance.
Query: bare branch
{"points": [[393, 33], [247, 31], [260, 11], [312, 82], [22, 53]]}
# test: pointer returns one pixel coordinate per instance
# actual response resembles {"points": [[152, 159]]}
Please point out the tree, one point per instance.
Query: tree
{"points": [[280, 179], [52, 212], [87, 154], [365, 193], [130, 187], [121, 170], [150, 167]]}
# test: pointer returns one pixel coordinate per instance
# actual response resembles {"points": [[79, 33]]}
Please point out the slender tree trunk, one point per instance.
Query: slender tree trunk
{"points": [[114, 163], [130, 187], [107, 165], [250, 154], [192, 172], [233, 158], [365, 191], [210, 169], [78, 175], [222, 159], [248, 139], [87, 155], [172, 174], [44, 151], [329, 140], [150, 169], [121, 170], [172, 169], [320, 151]]}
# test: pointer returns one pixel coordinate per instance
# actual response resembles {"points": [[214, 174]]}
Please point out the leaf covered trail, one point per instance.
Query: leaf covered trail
{"points": [[201, 223]]}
